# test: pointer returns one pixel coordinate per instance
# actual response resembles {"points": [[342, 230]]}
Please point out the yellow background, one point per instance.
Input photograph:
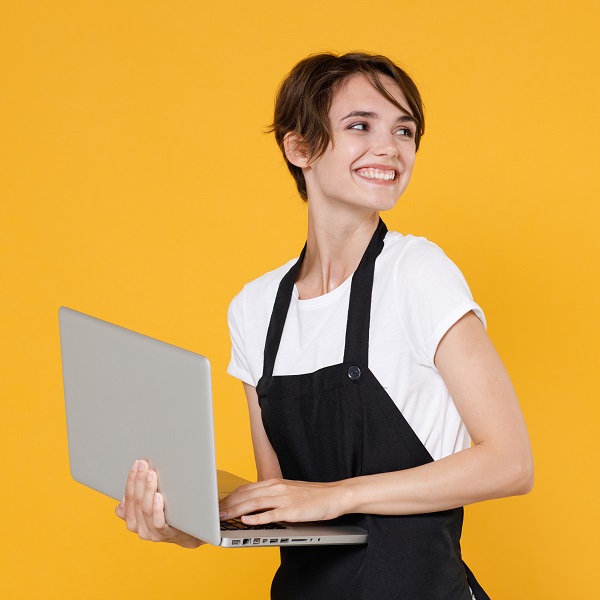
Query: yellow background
{"points": [[136, 185]]}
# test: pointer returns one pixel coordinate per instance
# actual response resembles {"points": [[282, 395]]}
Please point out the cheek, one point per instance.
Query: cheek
{"points": [[336, 168], [409, 161]]}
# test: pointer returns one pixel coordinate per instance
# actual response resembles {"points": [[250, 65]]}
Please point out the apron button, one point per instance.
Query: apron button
{"points": [[354, 373]]}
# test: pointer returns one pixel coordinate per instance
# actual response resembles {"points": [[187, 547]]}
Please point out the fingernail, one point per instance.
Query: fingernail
{"points": [[135, 465], [122, 505], [149, 476], [156, 498], [222, 515]]}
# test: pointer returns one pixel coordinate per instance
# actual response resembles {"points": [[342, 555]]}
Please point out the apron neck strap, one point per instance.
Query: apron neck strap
{"points": [[279, 314], [359, 309]]}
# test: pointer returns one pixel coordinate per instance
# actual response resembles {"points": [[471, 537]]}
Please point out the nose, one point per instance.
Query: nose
{"points": [[385, 146]]}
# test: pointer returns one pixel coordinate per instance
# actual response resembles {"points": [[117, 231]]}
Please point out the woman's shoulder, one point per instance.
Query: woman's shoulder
{"points": [[412, 252], [416, 265], [263, 287]]}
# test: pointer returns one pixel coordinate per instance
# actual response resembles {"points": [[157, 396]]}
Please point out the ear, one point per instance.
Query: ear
{"points": [[294, 150]]}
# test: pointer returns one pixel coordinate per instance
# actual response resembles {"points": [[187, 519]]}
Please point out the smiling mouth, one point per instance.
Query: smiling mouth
{"points": [[381, 174]]}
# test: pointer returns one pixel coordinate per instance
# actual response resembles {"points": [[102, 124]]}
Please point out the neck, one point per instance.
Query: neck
{"points": [[334, 248]]}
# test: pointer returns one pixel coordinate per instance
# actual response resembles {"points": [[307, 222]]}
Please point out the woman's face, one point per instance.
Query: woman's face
{"points": [[369, 161]]}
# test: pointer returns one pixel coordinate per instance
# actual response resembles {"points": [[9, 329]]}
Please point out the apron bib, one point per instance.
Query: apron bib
{"points": [[337, 423]]}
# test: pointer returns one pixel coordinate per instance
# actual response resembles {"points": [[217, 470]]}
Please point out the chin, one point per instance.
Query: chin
{"points": [[383, 204], [382, 201]]}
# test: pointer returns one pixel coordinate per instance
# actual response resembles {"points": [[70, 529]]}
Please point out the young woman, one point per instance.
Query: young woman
{"points": [[365, 363]]}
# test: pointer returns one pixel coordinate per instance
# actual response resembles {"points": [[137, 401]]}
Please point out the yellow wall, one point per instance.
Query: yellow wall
{"points": [[136, 184]]}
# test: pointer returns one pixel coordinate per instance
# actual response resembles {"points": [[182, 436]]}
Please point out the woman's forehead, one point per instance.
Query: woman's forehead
{"points": [[357, 93]]}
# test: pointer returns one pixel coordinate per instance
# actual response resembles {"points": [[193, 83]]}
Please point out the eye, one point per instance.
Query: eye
{"points": [[405, 132], [361, 126]]}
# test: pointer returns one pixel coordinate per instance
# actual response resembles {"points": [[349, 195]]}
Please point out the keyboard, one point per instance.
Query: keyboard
{"points": [[237, 525]]}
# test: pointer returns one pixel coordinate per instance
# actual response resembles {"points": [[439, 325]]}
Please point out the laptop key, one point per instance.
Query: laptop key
{"points": [[237, 524]]}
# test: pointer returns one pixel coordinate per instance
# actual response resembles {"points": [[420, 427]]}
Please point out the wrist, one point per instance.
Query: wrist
{"points": [[347, 496]]}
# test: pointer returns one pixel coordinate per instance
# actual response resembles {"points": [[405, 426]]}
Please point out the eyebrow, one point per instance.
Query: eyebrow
{"points": [[365, 114]]}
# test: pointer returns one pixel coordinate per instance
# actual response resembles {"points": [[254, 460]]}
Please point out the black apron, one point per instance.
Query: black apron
{"points": [[337, 423]]}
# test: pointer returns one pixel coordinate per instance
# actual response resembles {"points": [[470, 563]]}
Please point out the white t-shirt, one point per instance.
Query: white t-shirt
{"points": [[418, 294]]}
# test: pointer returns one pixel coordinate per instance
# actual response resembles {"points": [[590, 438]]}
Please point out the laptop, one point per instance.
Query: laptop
{"points": [[129, 396]]}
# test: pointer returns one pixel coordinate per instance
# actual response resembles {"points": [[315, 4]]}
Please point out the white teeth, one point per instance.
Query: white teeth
{"points": [[387, 175]]}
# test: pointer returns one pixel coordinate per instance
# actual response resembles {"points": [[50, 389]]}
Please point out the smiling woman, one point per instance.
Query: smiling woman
{"points": [[370, 157], [305, 97], [375, 394]]}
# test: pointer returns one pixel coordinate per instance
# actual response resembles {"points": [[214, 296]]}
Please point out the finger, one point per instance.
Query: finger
{"points": [[129, 498], [148, 500], [264, 483], [230, 508], [158, 513], [263, 518], [120, 509], [249, 489], [258, 504], [245, 493], [262, 495], [138, 498], [166, 532]]}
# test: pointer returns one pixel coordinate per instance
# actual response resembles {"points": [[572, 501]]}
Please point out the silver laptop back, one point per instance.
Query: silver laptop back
{"points": [[130, 396]]}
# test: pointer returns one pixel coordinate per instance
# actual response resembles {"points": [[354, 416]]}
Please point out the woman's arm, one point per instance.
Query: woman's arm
{"points": [[498, 464], [267, 465]]}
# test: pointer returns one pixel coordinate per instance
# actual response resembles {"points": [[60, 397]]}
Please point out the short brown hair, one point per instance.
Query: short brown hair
{"points": [[305, 95]]}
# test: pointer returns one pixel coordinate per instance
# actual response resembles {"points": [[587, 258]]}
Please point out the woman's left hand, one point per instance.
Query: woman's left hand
{"points": [[283, 500]]}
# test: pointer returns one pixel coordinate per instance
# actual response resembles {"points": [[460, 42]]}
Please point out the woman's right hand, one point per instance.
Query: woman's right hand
{"points": [[143, 509]]}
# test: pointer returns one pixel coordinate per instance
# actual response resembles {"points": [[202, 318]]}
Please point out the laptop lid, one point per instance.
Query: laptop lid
{"points": [[130, 396]]}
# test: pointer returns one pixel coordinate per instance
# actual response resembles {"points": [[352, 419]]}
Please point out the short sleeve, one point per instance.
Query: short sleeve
{"points": [[433, 296], [238, 364]]}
